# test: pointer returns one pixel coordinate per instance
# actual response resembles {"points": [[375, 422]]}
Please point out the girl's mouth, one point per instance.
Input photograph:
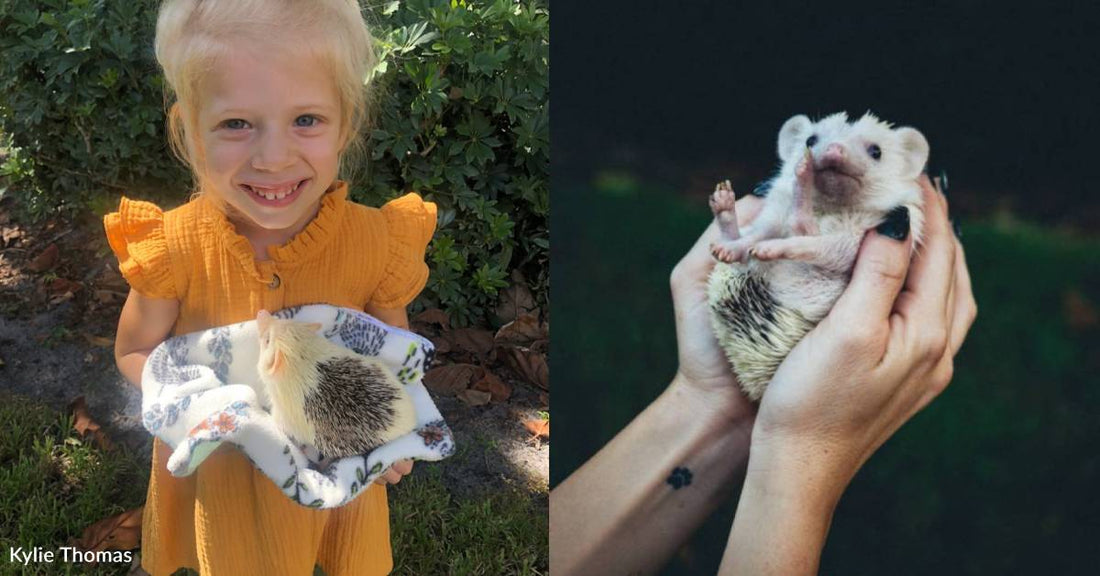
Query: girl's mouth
{"points": [[274, 197]]}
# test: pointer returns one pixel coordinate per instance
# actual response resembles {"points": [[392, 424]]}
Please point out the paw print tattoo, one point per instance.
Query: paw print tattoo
{"points": [[679, 478]]}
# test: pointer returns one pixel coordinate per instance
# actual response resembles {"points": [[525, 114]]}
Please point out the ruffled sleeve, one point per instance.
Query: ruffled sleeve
{"points": [[136, 235], [410, 222]]}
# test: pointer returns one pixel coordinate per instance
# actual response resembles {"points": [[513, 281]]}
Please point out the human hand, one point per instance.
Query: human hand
{"points": [[703, 365], [395, 473], [876, 359]]}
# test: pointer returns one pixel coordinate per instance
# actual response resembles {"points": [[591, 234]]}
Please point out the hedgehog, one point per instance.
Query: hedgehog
{"points": [[776, 278], [323, 394]]}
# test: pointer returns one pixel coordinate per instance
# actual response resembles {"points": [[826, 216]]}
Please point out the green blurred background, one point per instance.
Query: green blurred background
{"points": [[998, 475]]}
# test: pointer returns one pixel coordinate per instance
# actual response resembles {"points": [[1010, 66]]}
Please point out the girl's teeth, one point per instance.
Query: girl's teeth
{"points": [[274, 194]]}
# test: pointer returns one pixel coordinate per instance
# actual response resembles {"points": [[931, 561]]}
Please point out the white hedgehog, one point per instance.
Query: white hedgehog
{"points": [[778, 277], [323, 394]]}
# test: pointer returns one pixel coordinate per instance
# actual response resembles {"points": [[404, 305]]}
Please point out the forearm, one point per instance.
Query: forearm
{"points": [[783, 516], [622, 512], [131, 365]]}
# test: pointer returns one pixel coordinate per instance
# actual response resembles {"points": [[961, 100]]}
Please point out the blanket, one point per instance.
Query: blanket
{"points": [[202, 389]]}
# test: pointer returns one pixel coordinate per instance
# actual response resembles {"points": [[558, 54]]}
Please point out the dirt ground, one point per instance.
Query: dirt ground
{"points": [[60, 297]]}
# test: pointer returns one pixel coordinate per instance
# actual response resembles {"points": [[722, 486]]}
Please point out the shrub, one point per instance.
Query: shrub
{"points": [[81, 98], [462, 116]]}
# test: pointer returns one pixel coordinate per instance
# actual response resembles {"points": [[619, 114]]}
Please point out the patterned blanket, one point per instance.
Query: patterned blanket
{"points": [[203, 388]]}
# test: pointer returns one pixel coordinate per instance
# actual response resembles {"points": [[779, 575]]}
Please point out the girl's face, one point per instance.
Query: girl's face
{"points": [[269, 130]]}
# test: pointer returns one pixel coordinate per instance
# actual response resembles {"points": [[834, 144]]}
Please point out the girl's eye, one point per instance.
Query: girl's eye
{"points": [[811, 141], [235, 124], [306, 121], [874, 151]]}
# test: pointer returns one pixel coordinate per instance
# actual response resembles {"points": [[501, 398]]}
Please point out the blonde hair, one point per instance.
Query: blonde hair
{"points": [[193, 34]]}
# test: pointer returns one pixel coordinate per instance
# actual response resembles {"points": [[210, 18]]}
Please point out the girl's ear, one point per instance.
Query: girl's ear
{"points": [[793, 135], [914, 150]]}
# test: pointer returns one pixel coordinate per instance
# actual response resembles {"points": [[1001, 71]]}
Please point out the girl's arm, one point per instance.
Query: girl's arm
{"points": [[144, 324], [392, 316]]}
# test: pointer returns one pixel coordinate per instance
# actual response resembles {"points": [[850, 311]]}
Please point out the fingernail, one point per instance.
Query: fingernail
{"points": [[955, 227], [896, 225], [943, 182], [761, 190]]}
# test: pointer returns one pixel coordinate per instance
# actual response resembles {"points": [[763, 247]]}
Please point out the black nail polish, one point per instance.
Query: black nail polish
{"points": [[943, 182], [955, 228], [896, 225], [761, 190]]}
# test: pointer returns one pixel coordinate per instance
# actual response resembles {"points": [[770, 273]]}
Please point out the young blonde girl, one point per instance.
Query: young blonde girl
{"points": [[268, 97]]}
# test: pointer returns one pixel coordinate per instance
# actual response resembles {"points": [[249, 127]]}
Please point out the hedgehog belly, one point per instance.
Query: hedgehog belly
{"points": [[755, 332]]}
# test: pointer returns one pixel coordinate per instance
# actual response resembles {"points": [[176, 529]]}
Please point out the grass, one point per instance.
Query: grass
{"points": [[53, 485], [997, 476], [433, 533]]}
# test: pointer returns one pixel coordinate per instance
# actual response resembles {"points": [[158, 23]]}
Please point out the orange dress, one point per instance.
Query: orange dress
{"points": [[228, 518]]}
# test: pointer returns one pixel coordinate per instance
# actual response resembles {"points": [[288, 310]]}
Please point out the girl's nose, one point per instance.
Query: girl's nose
{"points": [[275, 151]]}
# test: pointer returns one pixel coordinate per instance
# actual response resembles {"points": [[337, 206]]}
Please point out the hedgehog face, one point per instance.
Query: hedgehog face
{"points": [[853, 163], [280, 341]]}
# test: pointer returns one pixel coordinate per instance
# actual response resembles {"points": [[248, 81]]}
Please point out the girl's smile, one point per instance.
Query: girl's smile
{"points": [[274, 194]]}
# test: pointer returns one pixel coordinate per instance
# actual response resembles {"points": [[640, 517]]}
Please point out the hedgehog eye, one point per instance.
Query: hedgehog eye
{"points": [[811, 141], [874, 151]]}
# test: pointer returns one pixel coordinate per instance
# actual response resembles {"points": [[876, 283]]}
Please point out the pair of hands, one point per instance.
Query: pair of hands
{"points": [[882, 354]]}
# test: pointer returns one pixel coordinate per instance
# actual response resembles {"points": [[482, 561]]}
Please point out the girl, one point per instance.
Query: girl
{"points": [[268, 97]]}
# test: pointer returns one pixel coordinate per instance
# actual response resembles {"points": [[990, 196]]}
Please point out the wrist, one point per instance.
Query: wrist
{"points": [[723, 405]]}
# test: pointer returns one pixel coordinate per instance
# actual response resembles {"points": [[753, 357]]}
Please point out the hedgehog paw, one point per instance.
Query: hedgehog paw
{"points": [[769, 250], [723, 199], [729, 252]]}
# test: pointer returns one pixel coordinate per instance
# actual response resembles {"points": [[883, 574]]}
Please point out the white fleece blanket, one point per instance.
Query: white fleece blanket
{"points": [[203, 388]]}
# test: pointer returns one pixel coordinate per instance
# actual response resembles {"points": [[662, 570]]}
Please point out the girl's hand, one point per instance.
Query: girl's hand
{"points": [[394, 473], [703, 366], [876, 359]]}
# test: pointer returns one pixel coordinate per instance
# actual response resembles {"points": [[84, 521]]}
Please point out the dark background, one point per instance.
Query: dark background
{"points": [[656, 102]]}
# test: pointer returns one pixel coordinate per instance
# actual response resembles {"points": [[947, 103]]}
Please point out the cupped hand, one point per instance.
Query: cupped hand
{"points": [[884, 351], [703, 365], [395, 473]]}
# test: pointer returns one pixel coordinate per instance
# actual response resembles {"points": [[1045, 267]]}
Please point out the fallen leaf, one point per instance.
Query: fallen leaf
{"points": [[9, 233], [474, 397], [522, 331], [450, 379], [540, 428], [515, 300], [442, 344], [530, 365], [1080, 314], [63, 285], [498, 389], [45, 260], [433, 316], [106, 296], [119, 532], [98, 340], [85, 424], [471, 340]]}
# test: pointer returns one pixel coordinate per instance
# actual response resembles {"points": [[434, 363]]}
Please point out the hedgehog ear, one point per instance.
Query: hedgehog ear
{"points": [[793, 135], [314, 326], [914, 151], [277, 362], [263, 320]]}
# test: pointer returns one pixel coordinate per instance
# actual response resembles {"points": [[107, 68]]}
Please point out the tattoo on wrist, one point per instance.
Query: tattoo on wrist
{"points": [[679, 478]]}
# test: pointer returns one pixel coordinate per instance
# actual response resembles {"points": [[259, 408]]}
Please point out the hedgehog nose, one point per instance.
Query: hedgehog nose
{"points": [[834, 153]]}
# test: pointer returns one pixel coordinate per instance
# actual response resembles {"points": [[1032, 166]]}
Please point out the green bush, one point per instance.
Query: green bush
{"points": [[462, 116], [81, 99]]}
